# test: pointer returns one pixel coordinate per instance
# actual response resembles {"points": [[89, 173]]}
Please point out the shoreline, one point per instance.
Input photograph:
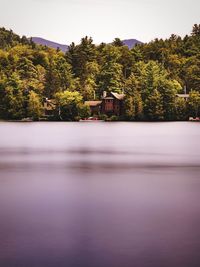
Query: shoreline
{"points": [[100, 121]]}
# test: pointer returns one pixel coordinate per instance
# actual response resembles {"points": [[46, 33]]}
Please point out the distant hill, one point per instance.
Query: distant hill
{"points": [[48, 43], [129, 42]]}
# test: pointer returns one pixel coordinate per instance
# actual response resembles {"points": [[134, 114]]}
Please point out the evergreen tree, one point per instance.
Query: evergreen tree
{"points": [[154, 106], [181, 109], [194, 104], [117, 42], [13, 100], [35, 108], [196, 30], [133, 101], [110, 78]]}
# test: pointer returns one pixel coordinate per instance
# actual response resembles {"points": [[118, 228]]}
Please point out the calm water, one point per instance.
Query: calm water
{"points": [[100, 194]]}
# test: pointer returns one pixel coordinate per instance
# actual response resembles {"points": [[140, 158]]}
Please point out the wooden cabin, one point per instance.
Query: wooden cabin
{"points": [[49, 107], [95, 106], [112, 103]]}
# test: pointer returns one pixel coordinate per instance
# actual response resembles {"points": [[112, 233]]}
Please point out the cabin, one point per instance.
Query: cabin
{"points": [[112, 103], [95, 106], [49, 107]]}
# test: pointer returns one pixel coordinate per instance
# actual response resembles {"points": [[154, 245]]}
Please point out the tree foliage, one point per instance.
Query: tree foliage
{"points": [[151, 75], [69, 105]]}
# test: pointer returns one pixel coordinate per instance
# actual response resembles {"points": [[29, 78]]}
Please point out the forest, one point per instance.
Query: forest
{"points": [[150, 75]]}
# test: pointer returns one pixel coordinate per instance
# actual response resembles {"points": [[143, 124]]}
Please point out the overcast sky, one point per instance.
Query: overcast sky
{"points": [[65, 21]]}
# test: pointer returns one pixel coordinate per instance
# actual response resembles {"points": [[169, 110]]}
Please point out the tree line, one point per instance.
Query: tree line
{"points": [[151, 75]]}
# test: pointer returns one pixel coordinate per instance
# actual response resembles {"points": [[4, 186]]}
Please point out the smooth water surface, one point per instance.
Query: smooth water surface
{"points": [[99, 194]]}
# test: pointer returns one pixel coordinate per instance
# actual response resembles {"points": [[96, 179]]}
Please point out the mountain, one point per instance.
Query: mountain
{"points": [[48, 43], [129, 42]]}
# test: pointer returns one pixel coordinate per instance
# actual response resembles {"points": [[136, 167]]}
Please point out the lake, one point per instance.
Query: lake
{"points": [[99, 194]]}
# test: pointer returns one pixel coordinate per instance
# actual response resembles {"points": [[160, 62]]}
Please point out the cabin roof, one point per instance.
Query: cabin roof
{"points": [[108, 97], [118, 96], [93, 103], [183, 95]]}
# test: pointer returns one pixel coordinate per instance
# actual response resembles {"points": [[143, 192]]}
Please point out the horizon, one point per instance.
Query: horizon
{"points": [[68, 21], [52, 41], [67, 44]]}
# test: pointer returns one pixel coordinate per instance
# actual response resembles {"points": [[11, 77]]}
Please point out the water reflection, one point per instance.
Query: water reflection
{"points": [[103, 195]]}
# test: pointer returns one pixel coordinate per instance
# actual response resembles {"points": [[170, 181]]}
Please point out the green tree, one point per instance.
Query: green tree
{"points": [[194, 103], [68, 105], [4, 62], [117, 42], [78, 56], [152, 76], [181, 109], [88, 87], [133, 104], [110, 78], [154, 106], [196, 30], [26, 69], [58, 75], [35, 108], [84, 111], [13, 100], [126, 60], [190, 73], [129, 108], [168, 90]]}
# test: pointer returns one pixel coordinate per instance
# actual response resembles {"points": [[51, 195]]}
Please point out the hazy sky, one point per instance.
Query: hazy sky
{"points": [[65, 21]]}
